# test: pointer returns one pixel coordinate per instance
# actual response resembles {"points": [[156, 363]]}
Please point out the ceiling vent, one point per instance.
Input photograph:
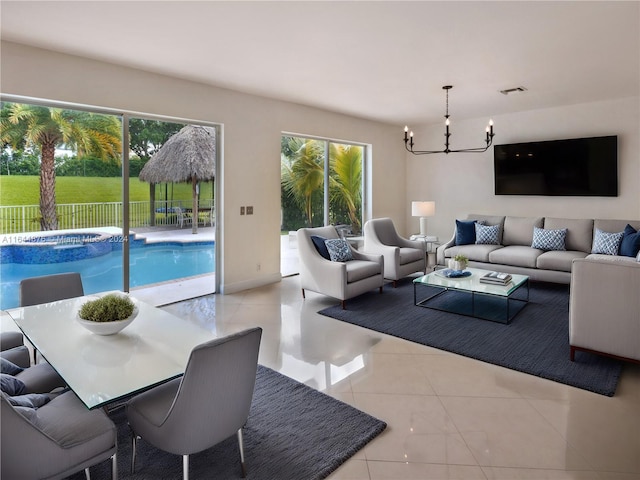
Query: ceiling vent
{"points": [[513, 90]]}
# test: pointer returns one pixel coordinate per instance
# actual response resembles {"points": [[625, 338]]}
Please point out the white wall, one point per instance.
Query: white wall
{"points": [[463, 183], [251, 144]]}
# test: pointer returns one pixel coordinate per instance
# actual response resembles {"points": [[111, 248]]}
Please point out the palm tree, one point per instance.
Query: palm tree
{"points": [[345, 181], [303, 173], [46, 128]]}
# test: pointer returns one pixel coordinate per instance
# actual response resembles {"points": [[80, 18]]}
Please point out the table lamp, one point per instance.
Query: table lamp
{"points": [[423, 210]]}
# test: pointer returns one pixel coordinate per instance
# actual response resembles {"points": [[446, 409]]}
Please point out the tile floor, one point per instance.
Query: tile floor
{"points": [[449, 417]]}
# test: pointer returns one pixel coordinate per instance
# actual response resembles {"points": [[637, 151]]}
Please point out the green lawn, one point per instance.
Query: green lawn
{"points": [[25, 190]]}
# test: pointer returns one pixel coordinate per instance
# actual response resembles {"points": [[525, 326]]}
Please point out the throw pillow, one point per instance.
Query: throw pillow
{"points": [[339, 250], [487, 234], [318, 241], [606, 243], [630, 245], [11, 385], [547, 239], [465, 232], [8, 367]]}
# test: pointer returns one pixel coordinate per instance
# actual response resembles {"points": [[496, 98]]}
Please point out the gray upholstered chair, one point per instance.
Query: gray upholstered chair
{"points": [[40, 378], [341, 280], [207, 405], [50, 288], [402, 257], [56, 440]]}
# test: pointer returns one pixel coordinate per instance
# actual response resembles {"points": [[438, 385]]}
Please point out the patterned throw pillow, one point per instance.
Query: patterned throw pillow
{"points": [[487, 234], [339, 250], [547, 239], [606, 243]]}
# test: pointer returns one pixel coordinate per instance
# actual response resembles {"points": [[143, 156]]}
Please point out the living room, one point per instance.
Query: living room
{"points": [[252, 125]]}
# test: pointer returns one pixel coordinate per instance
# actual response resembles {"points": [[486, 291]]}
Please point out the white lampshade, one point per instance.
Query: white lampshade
{"points": [[423, 210]]}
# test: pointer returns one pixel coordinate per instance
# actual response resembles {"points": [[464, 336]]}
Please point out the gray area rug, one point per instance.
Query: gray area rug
{"points": [[535, 342], [293, 433]]}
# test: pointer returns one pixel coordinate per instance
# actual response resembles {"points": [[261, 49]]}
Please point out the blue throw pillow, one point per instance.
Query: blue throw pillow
{"points": [[465, 232], [547, 239], [318, 241], [339, 250], [487, 234], [11, 385], [630, 245], [8, 367], [606, 243]]}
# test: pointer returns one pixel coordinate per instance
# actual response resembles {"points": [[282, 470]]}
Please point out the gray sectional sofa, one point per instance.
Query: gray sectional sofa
{"points": [[514, 253]]}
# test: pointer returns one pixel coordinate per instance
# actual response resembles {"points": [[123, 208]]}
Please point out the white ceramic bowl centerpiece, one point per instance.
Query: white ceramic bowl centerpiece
{"points": [[109, 314]]}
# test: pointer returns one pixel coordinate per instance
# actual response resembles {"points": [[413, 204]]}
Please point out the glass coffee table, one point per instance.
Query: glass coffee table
{"points": [[468, 296]]}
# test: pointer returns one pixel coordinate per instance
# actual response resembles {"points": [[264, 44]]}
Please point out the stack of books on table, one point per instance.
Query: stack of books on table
{"points": [[496, 278]]}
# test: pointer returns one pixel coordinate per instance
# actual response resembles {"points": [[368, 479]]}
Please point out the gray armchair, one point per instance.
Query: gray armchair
{"points": [[55, 440], [341, 280], [50, 288], [208, 404], [402, 257]]}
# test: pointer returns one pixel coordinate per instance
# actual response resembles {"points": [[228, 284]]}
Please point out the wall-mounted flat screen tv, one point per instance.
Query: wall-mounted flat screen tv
{"points": [[573, 167]]}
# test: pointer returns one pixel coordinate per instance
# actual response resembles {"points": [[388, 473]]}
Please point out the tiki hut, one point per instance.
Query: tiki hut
{"points": [[188, 156]]}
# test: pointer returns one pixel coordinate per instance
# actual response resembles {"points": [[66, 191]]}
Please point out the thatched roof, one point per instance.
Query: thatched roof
{"points": [[188, 155]]}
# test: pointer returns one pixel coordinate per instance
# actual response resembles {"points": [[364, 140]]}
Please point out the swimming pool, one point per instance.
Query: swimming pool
{"points": [[149, 263]]}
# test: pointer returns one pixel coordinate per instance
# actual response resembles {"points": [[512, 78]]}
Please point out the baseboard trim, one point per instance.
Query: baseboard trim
{"points": [[261, 281]]}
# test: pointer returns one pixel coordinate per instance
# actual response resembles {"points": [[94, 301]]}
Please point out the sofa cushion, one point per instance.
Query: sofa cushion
{"points": [[546, 239], [359, 269], [410, 255], [630, 245], [487, 234], [516, 255], [339, 250], [606, 242], [601, 257], [475, 253], [465, 232], [579, 232], [558, 260], [519, 230]]}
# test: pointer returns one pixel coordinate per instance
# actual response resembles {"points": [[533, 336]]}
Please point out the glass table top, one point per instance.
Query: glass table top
{"points": [[154, 348], [472, 283]]}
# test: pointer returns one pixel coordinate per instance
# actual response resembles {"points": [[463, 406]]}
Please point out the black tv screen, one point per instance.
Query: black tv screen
{"points": [[578, 167]]}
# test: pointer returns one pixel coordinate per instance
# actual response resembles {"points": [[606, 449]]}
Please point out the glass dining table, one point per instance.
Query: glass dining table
{"points": [[105, 369]]}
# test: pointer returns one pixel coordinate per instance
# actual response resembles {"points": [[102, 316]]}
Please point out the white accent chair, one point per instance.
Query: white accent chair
{"points": [[402, 257], [604, 307], [182, 216], [341, 280]]}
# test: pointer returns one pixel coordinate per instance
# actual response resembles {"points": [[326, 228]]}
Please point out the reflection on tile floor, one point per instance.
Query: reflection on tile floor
{"points": [[449, 417]]}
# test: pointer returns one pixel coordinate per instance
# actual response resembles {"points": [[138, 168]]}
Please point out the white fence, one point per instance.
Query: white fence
{"points": [[26, 218]]}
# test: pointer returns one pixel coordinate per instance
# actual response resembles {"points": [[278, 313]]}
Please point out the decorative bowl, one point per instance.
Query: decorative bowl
{"points": [[109, 328]]}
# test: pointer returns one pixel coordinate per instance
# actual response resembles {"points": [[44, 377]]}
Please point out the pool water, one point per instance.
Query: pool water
{"points": [[153, 263]]}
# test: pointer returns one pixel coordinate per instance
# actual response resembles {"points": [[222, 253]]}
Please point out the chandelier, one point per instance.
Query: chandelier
{"points": [[408, 136]]}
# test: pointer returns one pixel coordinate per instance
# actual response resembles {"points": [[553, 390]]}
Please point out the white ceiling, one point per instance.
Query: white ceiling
{"points": [[383, 60]]}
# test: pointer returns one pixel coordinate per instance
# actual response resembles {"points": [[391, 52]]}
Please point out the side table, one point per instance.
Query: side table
{"points": [[430, 245]]}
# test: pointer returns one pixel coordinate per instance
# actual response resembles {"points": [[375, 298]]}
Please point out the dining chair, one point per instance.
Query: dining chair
{"points": [[56, 440], [50, 288], [207, 405]]}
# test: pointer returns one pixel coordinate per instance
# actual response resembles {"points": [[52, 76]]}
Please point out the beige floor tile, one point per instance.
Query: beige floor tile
{"points": [[507, 432], [351, 470], [497, 473], [423, 471], [391, 373], [419, 430]]}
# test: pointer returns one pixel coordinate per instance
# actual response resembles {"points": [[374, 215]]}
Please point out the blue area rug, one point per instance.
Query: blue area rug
{"points": [[535, 342], [294, 432]]}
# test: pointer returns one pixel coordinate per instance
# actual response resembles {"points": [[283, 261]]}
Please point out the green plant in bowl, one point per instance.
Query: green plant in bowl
{"points": [[109, 308]]}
